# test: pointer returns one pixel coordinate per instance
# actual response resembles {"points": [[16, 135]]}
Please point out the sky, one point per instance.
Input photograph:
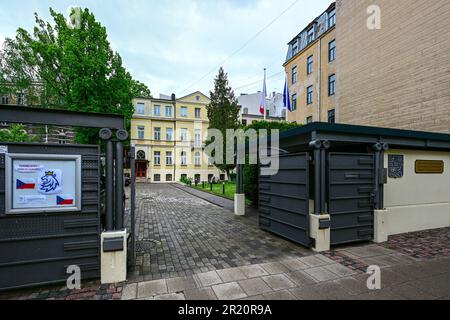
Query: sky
{"points": [[177, 46]]}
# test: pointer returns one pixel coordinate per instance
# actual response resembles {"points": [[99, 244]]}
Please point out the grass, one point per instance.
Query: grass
{"points": [[217, 189]]}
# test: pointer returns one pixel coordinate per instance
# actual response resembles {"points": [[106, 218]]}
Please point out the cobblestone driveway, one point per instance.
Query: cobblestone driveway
{"points": [[180, 235]]}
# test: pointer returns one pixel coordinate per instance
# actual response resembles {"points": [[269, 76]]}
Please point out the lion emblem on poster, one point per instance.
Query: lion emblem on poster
{"points": [[50, 182]]}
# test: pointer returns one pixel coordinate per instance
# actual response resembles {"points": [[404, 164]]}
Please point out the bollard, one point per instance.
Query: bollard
{"points": [[223, 188], [210, 186], [203, 185]]}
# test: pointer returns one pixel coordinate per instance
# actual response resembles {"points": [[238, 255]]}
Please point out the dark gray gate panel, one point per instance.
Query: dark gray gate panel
{"points": [[284, 199], [37, 248], [350, 196]]}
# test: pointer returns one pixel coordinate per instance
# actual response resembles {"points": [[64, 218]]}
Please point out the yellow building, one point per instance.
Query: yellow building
{"points": [[169, 136], [311, 69]]}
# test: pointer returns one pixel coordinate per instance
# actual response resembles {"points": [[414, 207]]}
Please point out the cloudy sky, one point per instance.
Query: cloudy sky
{"points": [[178, 45]]}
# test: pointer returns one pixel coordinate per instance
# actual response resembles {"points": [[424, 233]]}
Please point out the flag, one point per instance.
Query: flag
{"points": [[64, 200], [25, 184], [262, 107], [287, 97]]}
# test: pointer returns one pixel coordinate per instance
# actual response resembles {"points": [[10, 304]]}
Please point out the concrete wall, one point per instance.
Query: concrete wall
{"points": [[398, 76], [417, 201]]}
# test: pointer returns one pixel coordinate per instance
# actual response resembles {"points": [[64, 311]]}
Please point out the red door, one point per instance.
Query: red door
{"points": [[141, 169]]}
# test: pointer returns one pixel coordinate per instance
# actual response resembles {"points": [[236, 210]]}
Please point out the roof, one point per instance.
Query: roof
{"points": [[366, 134]]}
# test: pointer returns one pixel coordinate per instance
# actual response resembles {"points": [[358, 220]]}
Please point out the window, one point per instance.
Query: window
{"points": [[197, 159], [310, 65], [197, 178], [157, 158], [198, 113], [198, 138], [332, 18], [295, 48], [168, 177], [332, 51], [332, 85], [169, 161], [157, 134], [294, 102], [141, 132], [169, 134], [157, 178], [210, 178], [294, 75], [184, 133], [244, 122], [183, 177], [140, 108], [197, 98], [184, 112], [222, 177], [157, 110], [20, 99], [5, 100], [309, 95], [311, 35], [331, 116], [245, 111], [168, 111], [183, 158], [309, 120]]}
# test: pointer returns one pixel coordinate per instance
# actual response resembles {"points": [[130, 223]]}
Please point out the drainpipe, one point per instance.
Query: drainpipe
{"points": [[319, 91]]}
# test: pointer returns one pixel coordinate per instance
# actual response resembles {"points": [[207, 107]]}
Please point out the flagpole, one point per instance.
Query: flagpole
{"points": [[264, 95], [287, 86]]}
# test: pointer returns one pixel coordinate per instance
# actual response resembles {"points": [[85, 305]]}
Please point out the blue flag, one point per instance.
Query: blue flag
{"points": [[287, 97]]}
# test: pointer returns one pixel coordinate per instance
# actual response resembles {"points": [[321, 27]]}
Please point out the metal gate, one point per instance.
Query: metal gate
{"points": [[284, 199], [351, 196]]}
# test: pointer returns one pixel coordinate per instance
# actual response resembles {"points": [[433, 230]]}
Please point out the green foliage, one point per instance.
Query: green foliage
{"points": [[66, 67], [223, 113], [186, 180], [251, 171], [16, 133]]}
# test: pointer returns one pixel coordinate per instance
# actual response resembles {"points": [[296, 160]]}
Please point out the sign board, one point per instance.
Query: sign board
{"points": [[37, 183], [396, 166], [429, 166]]}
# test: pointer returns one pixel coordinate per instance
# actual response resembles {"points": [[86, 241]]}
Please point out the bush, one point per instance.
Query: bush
{"points": [[251, 187], [186, 180]]}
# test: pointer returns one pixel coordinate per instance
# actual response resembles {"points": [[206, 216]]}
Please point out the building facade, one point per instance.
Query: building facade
{"points": [[169, 136], [311, 70], [394, 64], [249, 105]]}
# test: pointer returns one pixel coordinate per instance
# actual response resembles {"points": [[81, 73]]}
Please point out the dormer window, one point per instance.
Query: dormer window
{"points": [[295, 48], [245, 111], [311, 35]]}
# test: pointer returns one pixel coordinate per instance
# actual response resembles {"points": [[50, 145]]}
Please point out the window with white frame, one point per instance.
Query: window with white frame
{"points": [[332, 18], [169, 134], [141, 132], [332, 85], [157, 134], [332, 51], [140, 108], [197, 159], [21, 99], [168, 111], [183, 112], [184, 134], [198, 113], [311, 35], [183, 158], [169, 160], [157, 110], [157, 158], [198, 138]]}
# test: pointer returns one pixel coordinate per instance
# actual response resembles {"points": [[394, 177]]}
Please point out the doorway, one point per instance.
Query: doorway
{"points": [[141, 169]]}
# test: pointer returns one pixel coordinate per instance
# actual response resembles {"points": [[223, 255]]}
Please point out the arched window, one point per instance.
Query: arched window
{"points": [[245, 111], [140, 155]]}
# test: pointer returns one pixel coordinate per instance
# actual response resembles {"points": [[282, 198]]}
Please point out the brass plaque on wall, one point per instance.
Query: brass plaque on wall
{"points": [[430, 166]]}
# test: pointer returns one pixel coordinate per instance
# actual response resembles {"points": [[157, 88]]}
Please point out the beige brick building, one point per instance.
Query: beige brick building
{"points": [[397, 76], [311, 70]]}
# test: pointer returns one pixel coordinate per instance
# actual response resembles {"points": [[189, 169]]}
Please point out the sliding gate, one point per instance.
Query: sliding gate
{"points": [[284, 199], [351, 196]]}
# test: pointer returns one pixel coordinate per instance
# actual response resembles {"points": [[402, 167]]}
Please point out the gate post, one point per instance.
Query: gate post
{"points": [[106, 135], [319, 221], [239, 197], [380, 214]]}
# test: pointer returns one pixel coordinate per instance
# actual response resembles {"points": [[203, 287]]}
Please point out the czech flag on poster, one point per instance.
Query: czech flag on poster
{"points": [[25, 184], [64, 200]]}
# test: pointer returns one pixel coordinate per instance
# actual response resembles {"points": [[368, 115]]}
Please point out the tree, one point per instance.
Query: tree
{"points": [[73, 66], [251, 187], [16, 133], [223, 114]]}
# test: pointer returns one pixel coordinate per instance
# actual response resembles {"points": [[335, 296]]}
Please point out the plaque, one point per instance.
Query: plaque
{"points": [[396, 166], [429, 167]]}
